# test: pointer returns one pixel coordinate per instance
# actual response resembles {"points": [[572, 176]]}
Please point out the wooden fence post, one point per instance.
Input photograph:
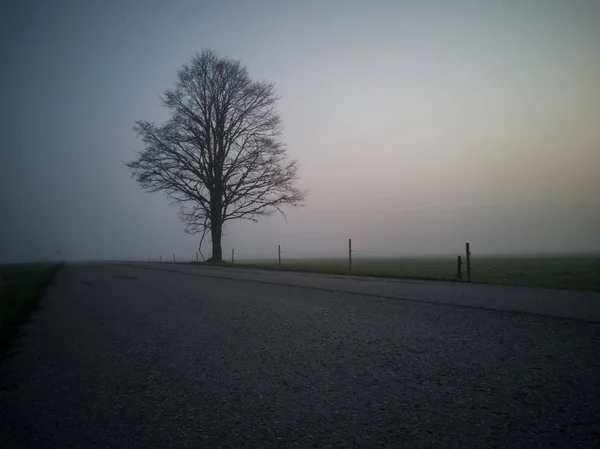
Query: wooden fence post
{"points": [[232, 255], [349, 254], [468, 263], [279, 255]]}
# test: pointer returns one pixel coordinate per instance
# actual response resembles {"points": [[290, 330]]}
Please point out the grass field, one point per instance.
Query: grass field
{"points": [[573, 272], [21, 286]]}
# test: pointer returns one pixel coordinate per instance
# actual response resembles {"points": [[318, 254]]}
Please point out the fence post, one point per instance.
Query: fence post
{"points": [[459, 264], [160, 259], [173, 258], [468, 263], [279, 254], [349, 254], [232, 255], [196, 256]]}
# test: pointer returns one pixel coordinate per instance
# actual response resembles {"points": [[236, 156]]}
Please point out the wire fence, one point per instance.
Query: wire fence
{"points": [[351, 261]]}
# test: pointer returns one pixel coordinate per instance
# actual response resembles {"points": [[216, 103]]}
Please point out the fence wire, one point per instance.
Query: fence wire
{"points": [[358, 261]]}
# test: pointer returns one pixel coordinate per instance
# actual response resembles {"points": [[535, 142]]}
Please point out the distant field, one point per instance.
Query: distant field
{"points": [[21, 286], [574, 272]]}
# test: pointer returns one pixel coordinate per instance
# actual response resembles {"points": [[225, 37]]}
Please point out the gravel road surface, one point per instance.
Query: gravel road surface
{"points": [[177, 356]]}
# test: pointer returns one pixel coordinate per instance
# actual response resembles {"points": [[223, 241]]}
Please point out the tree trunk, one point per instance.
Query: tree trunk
{"points": [[216, 220], [216, 231]]}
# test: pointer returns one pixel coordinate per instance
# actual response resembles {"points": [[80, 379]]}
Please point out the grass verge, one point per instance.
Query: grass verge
{"points": [[566, 272], [21, 287]]}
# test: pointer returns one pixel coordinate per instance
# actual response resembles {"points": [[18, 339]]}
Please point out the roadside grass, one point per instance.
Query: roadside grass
{"points": [[21, 287], [566, 272]]}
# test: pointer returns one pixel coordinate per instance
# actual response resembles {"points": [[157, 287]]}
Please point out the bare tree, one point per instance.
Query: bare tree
{"points": [[219, 157]]}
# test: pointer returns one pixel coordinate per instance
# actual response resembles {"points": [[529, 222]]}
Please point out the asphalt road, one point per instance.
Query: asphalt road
{"points": [[160, 356]]}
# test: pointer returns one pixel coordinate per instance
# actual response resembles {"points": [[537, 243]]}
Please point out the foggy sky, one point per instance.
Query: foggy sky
{"points": [[418, 125]]}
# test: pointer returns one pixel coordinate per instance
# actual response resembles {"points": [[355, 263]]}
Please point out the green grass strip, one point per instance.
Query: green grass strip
{"points": [[21, 287]]}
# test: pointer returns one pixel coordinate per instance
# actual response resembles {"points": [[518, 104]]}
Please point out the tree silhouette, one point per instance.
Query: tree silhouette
{"points": [[219, 157]]}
